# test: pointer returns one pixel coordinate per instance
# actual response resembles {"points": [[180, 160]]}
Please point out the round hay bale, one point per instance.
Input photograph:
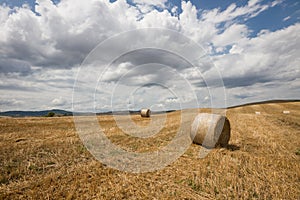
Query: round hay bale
{"points": [[210, 130], [145, 112]]}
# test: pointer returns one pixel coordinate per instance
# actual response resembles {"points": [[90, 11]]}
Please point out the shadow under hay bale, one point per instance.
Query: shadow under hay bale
{"points": [[210, 130], [232, 147]]}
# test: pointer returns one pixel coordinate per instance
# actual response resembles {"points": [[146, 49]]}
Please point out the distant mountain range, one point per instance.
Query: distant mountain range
{"points": [[59, 112]]}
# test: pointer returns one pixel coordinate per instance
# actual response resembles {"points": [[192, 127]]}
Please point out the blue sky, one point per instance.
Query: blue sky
{"points": [[271, 19], [254, 44]]}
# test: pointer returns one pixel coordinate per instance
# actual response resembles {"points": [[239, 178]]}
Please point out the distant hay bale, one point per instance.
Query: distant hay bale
{"points": [[145, 112], [210, 130], [286, 112], [257, 113]]}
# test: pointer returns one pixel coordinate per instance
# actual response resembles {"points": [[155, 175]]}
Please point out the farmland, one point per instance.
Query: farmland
{"points": [[44, 158]]}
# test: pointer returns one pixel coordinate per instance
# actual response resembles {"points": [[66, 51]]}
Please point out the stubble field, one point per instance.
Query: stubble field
{"points": [[43, 158]]}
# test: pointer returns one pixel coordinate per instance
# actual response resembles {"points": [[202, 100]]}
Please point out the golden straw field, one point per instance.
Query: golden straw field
{"points": [[43, 158]]}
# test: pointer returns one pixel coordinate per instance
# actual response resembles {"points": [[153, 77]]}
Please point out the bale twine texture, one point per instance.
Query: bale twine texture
{"points": [[210, 130], [145, 112]]}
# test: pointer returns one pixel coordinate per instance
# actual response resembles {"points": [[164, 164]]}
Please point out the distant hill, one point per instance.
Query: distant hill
{"points": [[59, 112], [67, 113], [35, 113], [264, 102]]}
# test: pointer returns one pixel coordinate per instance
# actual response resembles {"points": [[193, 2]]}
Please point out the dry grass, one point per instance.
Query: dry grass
{"points": [[43, 158]]}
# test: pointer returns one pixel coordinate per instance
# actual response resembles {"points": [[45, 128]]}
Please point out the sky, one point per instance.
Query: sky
{"points": [[102, 55]]}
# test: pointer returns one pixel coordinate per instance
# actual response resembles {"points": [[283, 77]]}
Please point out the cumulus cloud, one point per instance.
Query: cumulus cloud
{"points": [[160, 3], [8, 66], [270, 56], [41, 50], [233, 34], [146, 6], [11, 102], [58, 101]]}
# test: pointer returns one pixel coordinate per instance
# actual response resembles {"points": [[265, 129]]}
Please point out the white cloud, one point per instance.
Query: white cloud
{"points": [[276, 2], [40, 52], [159, 3], [58, 101], [174, 10], [172, 100], [232, 35], [271, 57], [252, 9], [10, 102], [287, 18]]}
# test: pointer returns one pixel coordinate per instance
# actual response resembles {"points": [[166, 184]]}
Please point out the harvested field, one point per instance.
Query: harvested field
{"points": [[43, 158]]}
